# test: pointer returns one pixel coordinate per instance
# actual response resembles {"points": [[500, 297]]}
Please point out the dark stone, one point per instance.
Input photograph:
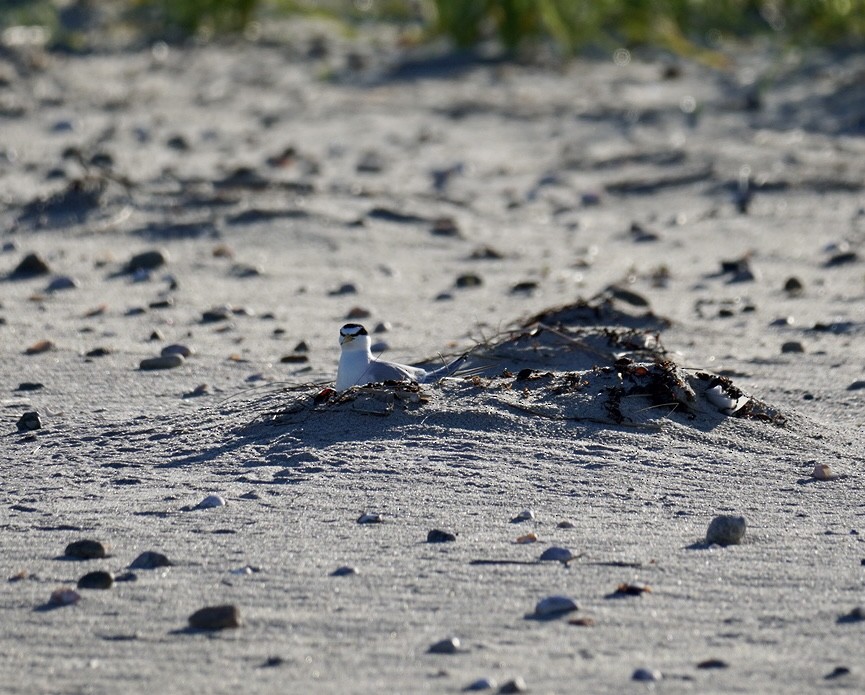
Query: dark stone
{"points": [[439, 536], [30, 266], [29, 421], [148, 260], [149, 560], [96, 580], [215, 618], [85, 549]]}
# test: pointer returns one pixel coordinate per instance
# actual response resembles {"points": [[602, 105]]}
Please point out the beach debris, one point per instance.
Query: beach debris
{"points": [[169, 361], [713, 663], [515, 685], [150, 560], [726, 529], [823, 471], [96, 580], [439, 536], [554, 606], [32, 265], [370, 518], [630, 589], [215, 618], [525, 515], [211, 502], [582, 621], [39, 347], [480, 684], [449, 645], [344, 571], [556, 554], [85, 549], [64, 596], [646, 675], [527, 538], [724, 396], [147, 260], [29, 421]]}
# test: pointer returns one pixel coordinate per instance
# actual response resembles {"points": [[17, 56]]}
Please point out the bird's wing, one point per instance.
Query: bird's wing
{"points": [[379, 371]]}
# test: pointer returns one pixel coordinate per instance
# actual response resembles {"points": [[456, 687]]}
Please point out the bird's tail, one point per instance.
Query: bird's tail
{"points": [[452, 369]]}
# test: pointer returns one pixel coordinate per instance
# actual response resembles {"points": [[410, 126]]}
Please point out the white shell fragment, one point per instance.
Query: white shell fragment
{"points": [[723, 401], [554, 605]]}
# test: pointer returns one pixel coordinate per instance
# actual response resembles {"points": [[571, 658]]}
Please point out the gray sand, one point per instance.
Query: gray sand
{"points": [[123, 457]]}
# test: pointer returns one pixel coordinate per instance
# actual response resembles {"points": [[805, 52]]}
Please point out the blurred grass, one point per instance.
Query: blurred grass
{"points": [[566, 26]]}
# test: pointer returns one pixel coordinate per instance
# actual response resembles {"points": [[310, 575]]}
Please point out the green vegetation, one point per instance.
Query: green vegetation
{"points": [[568, 26]]}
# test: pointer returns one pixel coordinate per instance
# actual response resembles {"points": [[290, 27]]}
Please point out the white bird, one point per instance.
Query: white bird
{"points": [[358, 366]]}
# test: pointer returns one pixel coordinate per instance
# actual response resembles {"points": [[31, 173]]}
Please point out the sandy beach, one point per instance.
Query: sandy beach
{"points": [[657, 266]]}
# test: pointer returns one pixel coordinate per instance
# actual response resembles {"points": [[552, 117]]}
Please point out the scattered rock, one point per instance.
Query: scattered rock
{"points": [[215, 618], [358, 313], [842, 259], [445, 226], [176, 349], [150, 560], [713, 663], [515, 685], [792, 346], [554, 606], [29, 421], [857, 385], [525, 515], [524, 287], [344, 289], [169, 361], [39, 347], [32, 265], [147, 260], [370, 518], [837, 672], [64, 597], [96, 580], [439, 536], [85, 549], [566, 523], [854, 616], [726, 529], [468, 280], [449, 645], [30, 386], [793, 286], [630, 589], [486, 253], [211, 502], [646, 675], [555, 554], [219, 313], [823, 471], [62, 282], [98, 352], [344, 571], [527, 538], [480, 684]]}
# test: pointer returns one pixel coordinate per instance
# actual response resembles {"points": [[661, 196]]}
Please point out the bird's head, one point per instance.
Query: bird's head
{"points": [[353, 334]]}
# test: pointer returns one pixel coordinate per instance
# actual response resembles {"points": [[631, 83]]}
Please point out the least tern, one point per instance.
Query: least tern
{"points": [[358, 366]]}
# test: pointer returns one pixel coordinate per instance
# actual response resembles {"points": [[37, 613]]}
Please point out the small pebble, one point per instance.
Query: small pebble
{"points": [[524, 287], [837, 672], [215, 618], [169, 361], [445, 226], [344, 571], [176, 349], [450, 645], [647, 675], [220, 313], [792, 346], [370, 518], [713, 663], [857, 385], [525, 515], [96, 580], [439, 536], [555, 554], [516, 685], [345, 288], [823, 471], [62, 282], [527, 538], [29, 421], [30, 386], [39, 347], [630, 589], [85, 549], [854, 616], [30, 266], [480, 684], [149, 560], [64, 597], [566, 524], [98, 352], [793, 286], [726, 529], [468, 280], [554, 605], [147, 260], [211, 502], [358, 312]]}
